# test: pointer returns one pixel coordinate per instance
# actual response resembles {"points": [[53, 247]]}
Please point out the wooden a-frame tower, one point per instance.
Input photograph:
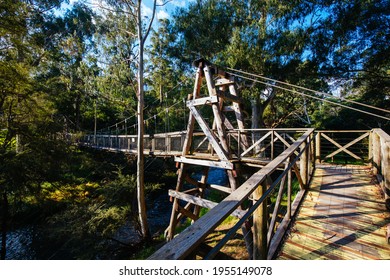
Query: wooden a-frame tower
{"points": [[222, 98]]}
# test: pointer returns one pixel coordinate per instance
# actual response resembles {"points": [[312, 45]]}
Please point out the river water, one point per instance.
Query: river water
{"points": [[25, 243]]}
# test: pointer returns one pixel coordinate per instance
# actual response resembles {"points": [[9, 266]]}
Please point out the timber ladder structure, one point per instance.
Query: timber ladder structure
{"points": [[284, 200]]}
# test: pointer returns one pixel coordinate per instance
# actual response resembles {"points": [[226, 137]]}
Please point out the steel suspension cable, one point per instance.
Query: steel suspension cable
{"points": [[311, 96], [307, 89]]}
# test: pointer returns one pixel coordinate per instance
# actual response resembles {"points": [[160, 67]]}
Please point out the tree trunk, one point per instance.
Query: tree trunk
{"points": [[140, 135], [255, 123], [4, 227], [77, 109]]}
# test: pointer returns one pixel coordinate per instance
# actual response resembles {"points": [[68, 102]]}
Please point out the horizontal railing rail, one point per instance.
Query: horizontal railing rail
{"points": [[255, 188]]}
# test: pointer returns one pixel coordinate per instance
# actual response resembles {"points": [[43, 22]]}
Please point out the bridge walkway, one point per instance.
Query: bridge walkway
{"points": [[343, 217]]}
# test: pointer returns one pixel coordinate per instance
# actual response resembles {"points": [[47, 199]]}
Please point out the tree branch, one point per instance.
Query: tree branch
{"points": [[150, 23]]}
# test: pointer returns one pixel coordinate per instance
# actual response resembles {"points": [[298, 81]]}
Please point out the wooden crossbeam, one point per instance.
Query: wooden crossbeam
{"points": [[223, 82], [284, 141], [344, 148], [220, 188], [298, 174], [187, 213], [276, 209], [229, 126], [289, 137], [201, 143], [192, 181], [221, 164], [256, 143], [202, 202], [209, 134], [202, 101]]}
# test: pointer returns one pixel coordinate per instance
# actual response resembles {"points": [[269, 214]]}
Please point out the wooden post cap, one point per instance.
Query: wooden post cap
{"points": [[201, 62]]}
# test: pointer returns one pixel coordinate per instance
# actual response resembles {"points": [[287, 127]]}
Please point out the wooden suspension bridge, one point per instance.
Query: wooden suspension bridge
{"points": [[287, 198]]}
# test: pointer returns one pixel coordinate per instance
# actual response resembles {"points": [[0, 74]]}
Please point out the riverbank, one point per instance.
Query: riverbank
{"points": [[90, 213]]}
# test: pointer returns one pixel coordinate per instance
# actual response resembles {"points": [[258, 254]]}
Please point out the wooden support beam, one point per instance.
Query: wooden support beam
{"points": [[289, 137], [279, 234], [186, 149], [202, 202], [229, 126], [190, 238], [260, 220], [283, 140], [239, 117], [224, 82], [298, 174], [202, 101], [221, 152], [188, 213], [220, 188], [180, 215], [201, 143], [275, 211], [256, 143], [210, 163], [203, 182], [192, 181]]}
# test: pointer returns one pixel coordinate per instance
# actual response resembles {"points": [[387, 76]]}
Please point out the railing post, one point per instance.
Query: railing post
{"points": [[318, 147], [260, 221], [289, 190], [239, 143], [272, 144], [370, 150], [385, 165], [376, 157], [153, 144], [168, 143], [303, 164]]}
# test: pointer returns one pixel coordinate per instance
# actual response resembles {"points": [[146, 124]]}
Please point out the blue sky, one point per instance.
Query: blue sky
{"points": [[147, 5]]}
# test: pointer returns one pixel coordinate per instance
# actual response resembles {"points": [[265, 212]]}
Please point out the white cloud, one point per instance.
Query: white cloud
{"points": [[146, 11], [162, 14], [179, 3]]}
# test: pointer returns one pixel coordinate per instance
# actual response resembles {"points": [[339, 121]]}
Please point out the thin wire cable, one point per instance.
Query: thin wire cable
{"points": [[135, 115], [311, 96], [308, 89]]}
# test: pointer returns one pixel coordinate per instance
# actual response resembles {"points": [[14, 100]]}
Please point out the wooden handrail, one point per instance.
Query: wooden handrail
{"points": [[181, 246]]}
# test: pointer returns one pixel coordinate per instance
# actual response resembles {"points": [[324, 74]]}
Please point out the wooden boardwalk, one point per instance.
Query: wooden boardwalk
{"points": [[343, 217]]}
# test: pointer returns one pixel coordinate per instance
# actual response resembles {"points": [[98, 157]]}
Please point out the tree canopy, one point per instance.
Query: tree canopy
{"points": [[68, 71]]}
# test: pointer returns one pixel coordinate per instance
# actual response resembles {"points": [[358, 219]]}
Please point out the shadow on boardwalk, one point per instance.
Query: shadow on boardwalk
{"points": [[342, 217]]}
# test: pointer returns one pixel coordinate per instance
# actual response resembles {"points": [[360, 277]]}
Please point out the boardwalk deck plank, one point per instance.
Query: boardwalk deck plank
{"points": [[342, 217]]}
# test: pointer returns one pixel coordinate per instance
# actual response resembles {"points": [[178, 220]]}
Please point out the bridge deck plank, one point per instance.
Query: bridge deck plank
{"points": [[342, 217]]}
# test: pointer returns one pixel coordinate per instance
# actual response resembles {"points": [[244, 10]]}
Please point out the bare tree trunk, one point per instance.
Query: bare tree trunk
{"points": [[4, 227], [140, 133]]}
